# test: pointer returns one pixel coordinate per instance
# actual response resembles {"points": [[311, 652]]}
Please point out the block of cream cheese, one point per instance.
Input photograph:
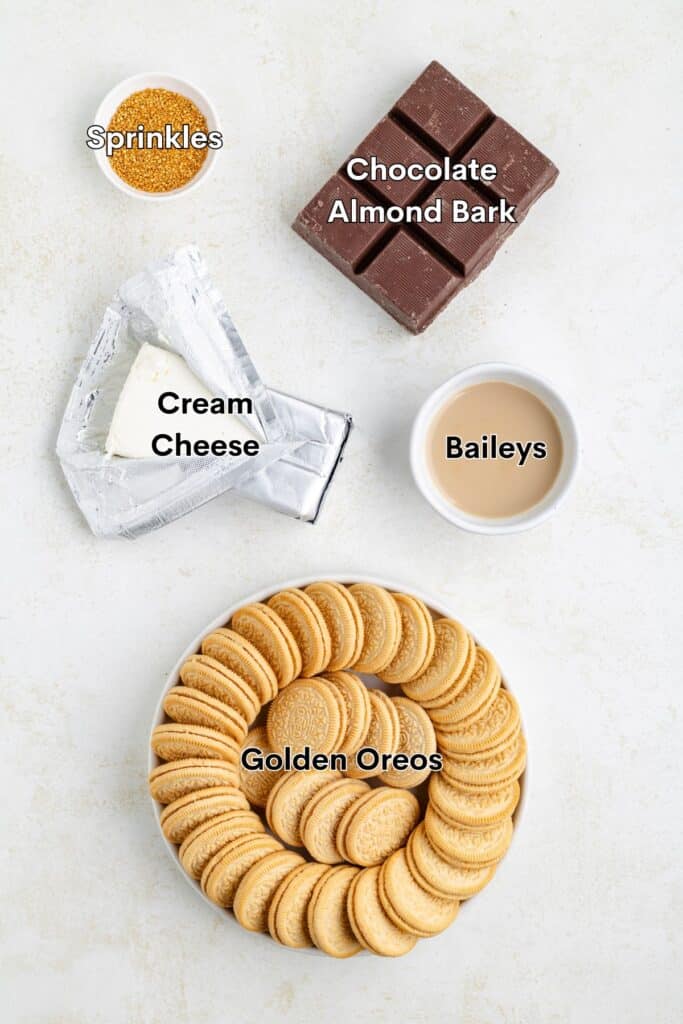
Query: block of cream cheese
{"points": [[138, 417], [168, 329]]}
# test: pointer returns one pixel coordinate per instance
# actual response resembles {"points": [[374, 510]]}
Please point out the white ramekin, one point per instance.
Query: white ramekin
{"points": [[154, 80], [479, 374], [173, 679]]}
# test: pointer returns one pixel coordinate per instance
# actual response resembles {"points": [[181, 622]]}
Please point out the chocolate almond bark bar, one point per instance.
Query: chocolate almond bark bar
{"points": [[412, 241]]}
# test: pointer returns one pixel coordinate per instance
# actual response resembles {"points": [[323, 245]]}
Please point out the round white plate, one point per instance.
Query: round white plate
{"points": [[434, 604]]}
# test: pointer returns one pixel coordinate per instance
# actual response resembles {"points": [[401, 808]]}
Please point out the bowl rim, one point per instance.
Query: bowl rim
{"points": [[150, 80], [544, 390], [434, 604]]}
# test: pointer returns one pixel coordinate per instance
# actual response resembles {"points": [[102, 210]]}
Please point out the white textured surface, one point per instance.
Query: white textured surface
{"points": [[583, 923]]}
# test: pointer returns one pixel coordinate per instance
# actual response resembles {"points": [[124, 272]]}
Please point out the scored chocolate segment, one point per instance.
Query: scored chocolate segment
{"points": [[523, 173], [442, 108], [390, 144], [409, 282], [466, 243], [345, 245]]}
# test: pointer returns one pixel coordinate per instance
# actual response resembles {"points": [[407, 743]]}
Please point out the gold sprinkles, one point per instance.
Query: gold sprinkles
{"points": [[157, 169]]}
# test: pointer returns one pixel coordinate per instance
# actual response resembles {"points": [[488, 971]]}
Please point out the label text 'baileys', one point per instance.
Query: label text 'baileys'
{"points": [[491, 448]]}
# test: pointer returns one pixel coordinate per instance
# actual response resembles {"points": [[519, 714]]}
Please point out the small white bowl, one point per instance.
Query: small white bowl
{"points": [[154, 80], [479, 374]]}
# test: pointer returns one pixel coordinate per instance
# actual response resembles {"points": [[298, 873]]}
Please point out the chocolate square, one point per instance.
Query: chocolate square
{"points": [[345, 245], [391, 144], [409, 282], [523, 171], [464, 244], [442, 109]]}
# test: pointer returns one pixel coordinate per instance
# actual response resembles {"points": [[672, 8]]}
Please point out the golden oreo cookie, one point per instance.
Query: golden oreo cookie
{"points": [[381, 625], [173, 779], [289, 796], [340, 701], [256, 785], [472, 807], [356, 699], [288, 911], [173, 741], [410, 906], [483, 681], [305, 714], [475, 757], [322, 814], [437, 875], [308, 627], [451, 650], [447, 696], [208, 675], [213, 835], [486, 731], [193, 707], [416, 737], [343, 619], [258, 886], [264, 628], [477, 847], [178, 819], [369, 921], [377, 824], [241, 657], [489, 768], [446, 727], [383, 735], [327, 916], [417, 641], [340, 834], [226, 869]]}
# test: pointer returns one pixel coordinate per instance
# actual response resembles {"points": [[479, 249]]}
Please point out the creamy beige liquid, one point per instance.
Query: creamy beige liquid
{"points": [[494, 487]]}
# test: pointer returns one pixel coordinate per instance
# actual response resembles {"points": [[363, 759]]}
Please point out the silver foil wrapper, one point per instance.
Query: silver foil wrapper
{"points": [[296, 484], [173, 304]]}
